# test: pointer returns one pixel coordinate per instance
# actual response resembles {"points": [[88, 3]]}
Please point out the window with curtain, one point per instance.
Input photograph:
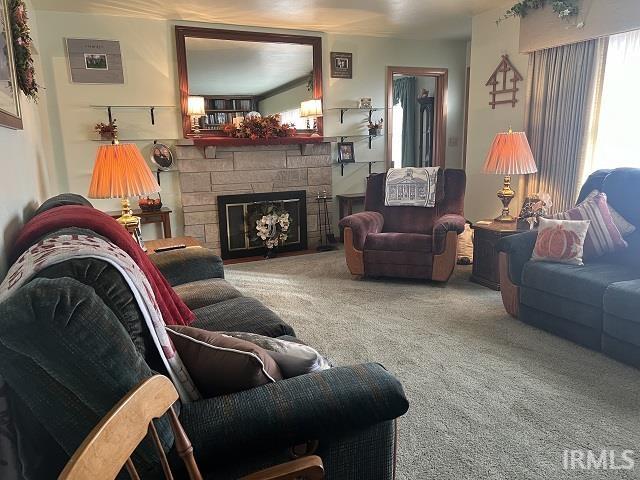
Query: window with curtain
{"points": [[615, 137]]}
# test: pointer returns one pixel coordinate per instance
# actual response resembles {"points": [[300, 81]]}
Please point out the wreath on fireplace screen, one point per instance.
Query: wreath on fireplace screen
{"points": [[272, 223]]}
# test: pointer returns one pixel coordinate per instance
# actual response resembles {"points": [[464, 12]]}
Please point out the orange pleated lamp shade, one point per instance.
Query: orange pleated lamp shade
{"points": [[510, 154], [121, 172]]}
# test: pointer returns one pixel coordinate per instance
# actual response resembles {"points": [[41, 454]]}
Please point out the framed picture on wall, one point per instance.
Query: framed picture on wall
{"points": [[95, 61], [341, 65], [346, 153], [10, 115]]}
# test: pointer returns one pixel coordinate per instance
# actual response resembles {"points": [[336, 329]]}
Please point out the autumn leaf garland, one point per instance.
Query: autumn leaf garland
{"points": [[22, 45]]}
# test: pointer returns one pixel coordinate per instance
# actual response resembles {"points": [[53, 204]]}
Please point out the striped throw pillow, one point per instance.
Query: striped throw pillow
{"points": [[603, 236], [619, 221]]}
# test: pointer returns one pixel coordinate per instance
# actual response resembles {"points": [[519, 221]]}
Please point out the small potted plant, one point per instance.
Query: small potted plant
{"points": [[375, 128], [107, 131]]}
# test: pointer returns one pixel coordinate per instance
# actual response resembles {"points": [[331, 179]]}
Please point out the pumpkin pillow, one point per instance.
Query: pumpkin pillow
{"points": [[560, 241]]}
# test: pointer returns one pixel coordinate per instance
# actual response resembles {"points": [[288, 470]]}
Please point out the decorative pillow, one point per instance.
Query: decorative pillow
{"points": [[560, 241], [619, 221], [220, 364], [293, 358], [603, 236]]}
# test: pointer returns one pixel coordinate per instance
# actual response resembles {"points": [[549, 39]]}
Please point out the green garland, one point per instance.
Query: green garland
{"points": [[563, 8], [22, 44]]}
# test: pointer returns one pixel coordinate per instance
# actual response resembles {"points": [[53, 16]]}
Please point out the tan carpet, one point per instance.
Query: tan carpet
{"points": [[491, 398]]}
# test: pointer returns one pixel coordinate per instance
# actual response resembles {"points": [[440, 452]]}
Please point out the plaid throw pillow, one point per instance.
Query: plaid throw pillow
{"points": [[619, 221], [603, 236]]}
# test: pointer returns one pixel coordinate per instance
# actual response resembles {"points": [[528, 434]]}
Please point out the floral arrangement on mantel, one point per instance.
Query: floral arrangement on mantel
{"points": [[272, 227], [22, 45], [255, 127], [563, 8]]}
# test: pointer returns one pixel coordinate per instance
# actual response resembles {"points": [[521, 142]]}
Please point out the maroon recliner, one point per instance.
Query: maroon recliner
{"points": [[409, 242]]}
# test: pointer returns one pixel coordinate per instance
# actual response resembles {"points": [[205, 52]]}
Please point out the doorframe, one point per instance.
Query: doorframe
{"points": [[439, 140]]}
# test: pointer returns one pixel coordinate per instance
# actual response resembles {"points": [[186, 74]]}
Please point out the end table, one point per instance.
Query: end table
{"points": [[157, 216], [485, 256]]}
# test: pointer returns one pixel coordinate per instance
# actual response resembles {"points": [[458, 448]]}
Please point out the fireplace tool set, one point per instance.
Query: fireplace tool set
{"points": [[327, 238]]}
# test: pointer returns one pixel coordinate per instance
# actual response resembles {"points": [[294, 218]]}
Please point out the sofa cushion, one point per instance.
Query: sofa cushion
{"points": [[578, 312], [399, 242], [206, 292], [68, 358], [241, 314], [583, 283], [623, 329], [622, 299]]}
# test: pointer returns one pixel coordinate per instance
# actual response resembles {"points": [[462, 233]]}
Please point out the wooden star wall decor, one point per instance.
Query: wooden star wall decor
{"points": [[502, 85]]}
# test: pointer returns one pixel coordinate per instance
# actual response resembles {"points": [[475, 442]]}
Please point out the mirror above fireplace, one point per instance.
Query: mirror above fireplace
{"points": [[238, 73]]}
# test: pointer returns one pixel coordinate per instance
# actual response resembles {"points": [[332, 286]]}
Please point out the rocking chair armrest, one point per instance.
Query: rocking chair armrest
{"points": [[363, 224], [446, 223], [309, 468]]}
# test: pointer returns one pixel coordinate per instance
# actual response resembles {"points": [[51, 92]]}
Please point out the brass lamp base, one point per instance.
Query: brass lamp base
{"points": [[506, 194], [132, 223]]}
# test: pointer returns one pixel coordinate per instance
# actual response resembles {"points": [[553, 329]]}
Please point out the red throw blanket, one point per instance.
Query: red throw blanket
{"points": [[173, 309]]}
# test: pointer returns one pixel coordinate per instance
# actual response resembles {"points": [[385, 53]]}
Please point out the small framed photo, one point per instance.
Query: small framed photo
{"points": [[346, 153], [93, 61], [341, 65]]}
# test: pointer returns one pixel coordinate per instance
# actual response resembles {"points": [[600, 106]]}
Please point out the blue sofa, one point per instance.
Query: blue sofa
{"points": [[596, 305]]}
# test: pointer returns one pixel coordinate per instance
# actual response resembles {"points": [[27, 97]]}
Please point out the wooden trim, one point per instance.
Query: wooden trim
{"points": [[182, 32], [509, 291], [354, 257], [466, 118], [444, 263], [442, 86], [10, 121]]}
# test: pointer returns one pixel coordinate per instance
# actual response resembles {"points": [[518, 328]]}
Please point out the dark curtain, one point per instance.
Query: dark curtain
{"points": [[404, 91], [562, 86]]}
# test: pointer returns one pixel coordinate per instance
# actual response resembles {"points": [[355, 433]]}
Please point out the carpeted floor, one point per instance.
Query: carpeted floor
{"points": [[491, 398]]}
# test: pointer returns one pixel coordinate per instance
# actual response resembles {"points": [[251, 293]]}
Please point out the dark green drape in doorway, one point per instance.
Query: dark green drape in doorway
{"points": [[404, 91]]}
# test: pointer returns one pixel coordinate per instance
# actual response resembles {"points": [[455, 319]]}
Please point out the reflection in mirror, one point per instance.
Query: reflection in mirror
{"points": [[413, 120], [237, 78]]}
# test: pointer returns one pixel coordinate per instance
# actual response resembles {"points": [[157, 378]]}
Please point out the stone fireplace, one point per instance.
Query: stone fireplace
{"points": [[209, 172]]}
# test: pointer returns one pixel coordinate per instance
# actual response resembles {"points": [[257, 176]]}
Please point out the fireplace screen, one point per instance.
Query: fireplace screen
{"points": [[239, 213]]}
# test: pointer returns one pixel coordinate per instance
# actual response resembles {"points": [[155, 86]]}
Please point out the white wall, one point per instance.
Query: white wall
{"points": [[27, 176], [284, 101], [151, 78], [371, 56], [488, 43]]}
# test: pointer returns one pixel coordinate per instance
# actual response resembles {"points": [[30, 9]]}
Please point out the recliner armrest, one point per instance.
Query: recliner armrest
{"points": [[363, 224], [188, 265], [449, 222], [518, 248], [309, 407]]}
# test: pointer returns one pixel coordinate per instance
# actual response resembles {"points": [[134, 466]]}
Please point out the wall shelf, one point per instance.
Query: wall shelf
{"points": [[151, 108], [359, 137], [343, 110], [342, 164]]}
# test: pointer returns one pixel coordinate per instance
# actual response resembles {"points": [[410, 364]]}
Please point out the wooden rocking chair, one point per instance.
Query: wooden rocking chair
{"points": [[110, 444]]}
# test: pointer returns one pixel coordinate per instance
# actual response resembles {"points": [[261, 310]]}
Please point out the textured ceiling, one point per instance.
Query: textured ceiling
{"points": [[424, 19]]}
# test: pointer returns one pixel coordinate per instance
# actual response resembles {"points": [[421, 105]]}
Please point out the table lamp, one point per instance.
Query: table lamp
{"points": [[510, 154], [311, 109], [121, 172], [195, 109]]}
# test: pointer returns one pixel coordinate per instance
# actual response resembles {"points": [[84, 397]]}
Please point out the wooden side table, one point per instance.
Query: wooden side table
{"points": [[485, 256], [159, 216], [345, 206]]}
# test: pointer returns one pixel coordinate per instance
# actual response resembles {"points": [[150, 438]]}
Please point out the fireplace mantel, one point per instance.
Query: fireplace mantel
{"points": [[238, 142]]}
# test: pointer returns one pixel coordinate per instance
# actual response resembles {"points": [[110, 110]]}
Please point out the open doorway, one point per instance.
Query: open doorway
{"points": [[416, 128]]}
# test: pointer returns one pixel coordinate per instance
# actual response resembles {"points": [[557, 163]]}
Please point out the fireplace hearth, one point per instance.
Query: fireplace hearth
{"points": [[238, 216]]}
